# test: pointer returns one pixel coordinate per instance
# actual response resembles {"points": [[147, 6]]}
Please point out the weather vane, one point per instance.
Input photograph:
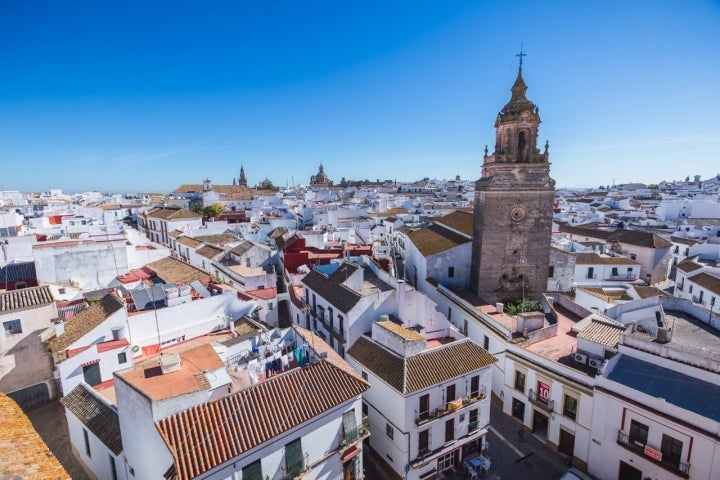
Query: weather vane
{"points": [[520, 55]]}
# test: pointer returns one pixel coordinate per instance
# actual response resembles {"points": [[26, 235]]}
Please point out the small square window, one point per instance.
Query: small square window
{"points": [[451, 272], [389, 430], [122, 358]]}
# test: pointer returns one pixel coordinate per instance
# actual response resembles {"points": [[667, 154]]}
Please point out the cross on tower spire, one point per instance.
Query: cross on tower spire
{"points": [[521, 55]]}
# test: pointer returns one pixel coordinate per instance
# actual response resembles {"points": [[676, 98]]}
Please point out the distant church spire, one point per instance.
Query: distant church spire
{"points": [[242, 181]]}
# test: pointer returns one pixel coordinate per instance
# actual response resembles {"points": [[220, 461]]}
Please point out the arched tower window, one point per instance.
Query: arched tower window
{"points": [[522, 146]]}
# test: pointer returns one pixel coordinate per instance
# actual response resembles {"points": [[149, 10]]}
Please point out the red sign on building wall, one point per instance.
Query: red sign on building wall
{"points": [[652, 453], [543, 392]]}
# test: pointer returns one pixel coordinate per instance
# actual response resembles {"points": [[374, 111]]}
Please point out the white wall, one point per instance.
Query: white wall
{"points": [[98, 462], [87, 265]]}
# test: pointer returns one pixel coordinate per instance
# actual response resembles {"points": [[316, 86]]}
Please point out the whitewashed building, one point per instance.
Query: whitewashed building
{"points": [[428, 408], [192, 415]]}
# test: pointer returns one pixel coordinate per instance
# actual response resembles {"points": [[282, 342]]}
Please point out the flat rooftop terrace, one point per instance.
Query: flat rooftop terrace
{"points": [[688, 335]]}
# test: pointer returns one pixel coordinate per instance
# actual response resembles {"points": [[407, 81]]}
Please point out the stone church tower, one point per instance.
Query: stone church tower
{"points": [[513, 208], [242, 181]]}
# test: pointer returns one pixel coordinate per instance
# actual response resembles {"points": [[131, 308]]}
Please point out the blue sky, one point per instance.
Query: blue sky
{"points": [[144, 96]]}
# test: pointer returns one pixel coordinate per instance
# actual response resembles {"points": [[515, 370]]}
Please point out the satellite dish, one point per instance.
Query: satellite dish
{"points": [[135, 348]]}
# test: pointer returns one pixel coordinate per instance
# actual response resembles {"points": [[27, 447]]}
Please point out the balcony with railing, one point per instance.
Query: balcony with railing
{"points": [[653, 455], [328, 325], [535, 399], [297, 468], [450, 407]]}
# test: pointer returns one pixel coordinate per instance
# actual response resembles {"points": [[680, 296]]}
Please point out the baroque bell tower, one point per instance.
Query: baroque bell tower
{"points": [[512, 217]]}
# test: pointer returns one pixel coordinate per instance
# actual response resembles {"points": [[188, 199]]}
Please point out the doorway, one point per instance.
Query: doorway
{"points": [[540, 424], [567, 443], [628, 472]]}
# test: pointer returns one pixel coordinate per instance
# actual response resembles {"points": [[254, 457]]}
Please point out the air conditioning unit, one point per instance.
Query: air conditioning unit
{"points": [[595, 363], [580, 358]]}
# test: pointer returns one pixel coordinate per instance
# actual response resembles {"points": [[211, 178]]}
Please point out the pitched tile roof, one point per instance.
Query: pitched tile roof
{"points": [[189, 242], [622, 235], [226, 189], [23, 454], [685, 241], [94, 412], [603, 333], [25, 298], [209, 251], [435, 239], [246, 246], [458, 220], [592, 258], [607, 295], [172, 270], [209, 434], [707, 281], [218, 239], [647, 292], [688, 265], [424, 369], [331, 288], [172, 213], [83, 323]]}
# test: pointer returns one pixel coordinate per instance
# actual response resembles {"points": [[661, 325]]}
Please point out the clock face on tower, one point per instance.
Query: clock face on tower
{"points": [[518, 213]]}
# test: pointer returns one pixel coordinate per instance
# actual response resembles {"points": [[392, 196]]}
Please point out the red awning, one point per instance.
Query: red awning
{"points": [[85, 364], [350, 453]]}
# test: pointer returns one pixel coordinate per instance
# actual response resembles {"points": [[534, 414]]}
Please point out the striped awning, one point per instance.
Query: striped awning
{"points": [[85, 364]]}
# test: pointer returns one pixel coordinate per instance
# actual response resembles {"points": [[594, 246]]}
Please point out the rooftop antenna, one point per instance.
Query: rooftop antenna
{"points": [[521, 55]]}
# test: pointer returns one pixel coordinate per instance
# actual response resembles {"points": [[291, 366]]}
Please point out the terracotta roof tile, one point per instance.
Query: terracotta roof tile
{"points": [[25, 298], [435, 239], [458, 220], [94, 412], [231, 426], [592, 258], [424, 369], [209, 251], [707, 281], [23, 454], [171, 213], [225, 189], [218, 240], [647, 292], [622, 235], [83, 323], [172, 270], [685, 241], [603, 333], [189, 242], [688, 265]]}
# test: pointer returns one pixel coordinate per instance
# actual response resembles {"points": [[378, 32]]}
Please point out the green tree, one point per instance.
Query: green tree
{"points": [[213, 210]]}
